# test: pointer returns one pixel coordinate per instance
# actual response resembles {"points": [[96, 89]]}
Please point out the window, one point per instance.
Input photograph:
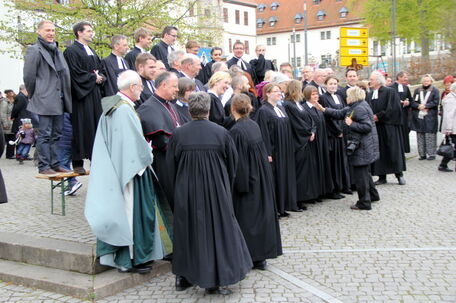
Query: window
{"points": [[326, 59], [375, 48], [274, 41], [246, 47], [272, 21], [343, 12], [230, 44], [298, 18], [207, 12], [271, 41], [274, 6], [322, 35], [261, 7], [293, 61], [321, 15], [328, 35], [260, 22], [246, 18], [268, 41], [237, 16], [298, 38], [383, 50], [298, 61], [317, 1], [325, 35], [225, 15]]}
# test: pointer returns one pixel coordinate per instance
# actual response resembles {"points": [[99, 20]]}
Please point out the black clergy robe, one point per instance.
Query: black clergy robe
{"points": [[148, 90], [207, 72], [245, 67], [253, 101], [112, 71], [389, 130], [217, 113], [320, 147], [260, 66], [209, 248], [406, 113], [253, 194], [159, 119], [278, 139], [160, 52], [130, 57], [321, 89], [337, 149], [302, 126], [86, 94], [182, 109]]}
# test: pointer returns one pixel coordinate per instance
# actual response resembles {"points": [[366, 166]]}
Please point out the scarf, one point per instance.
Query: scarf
{"points": [[53, 50]]}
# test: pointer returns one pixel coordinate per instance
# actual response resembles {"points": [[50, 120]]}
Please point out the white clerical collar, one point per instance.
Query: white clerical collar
{"points": [[321, 90], [87, 48], [210, 91], [120, 62], [400, 88], [299, 106], [375, 94], [141, 49], [278, 112], [335, 98], [125, 98], [309, 104]]}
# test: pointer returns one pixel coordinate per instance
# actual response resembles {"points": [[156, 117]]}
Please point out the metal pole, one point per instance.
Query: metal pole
{"points": [[294, 52], [393, 37], [306, 59], [289, 55]]}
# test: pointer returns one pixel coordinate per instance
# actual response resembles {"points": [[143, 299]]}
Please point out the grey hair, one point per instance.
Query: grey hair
{"points": [[127, 78], [116, 39], [355, 94], [42, 23], [199, 105], [453, 87], [189, 59], [175, 56], [218, 66], [380, 78], [163, 77], [279, 77], [22, 87]]}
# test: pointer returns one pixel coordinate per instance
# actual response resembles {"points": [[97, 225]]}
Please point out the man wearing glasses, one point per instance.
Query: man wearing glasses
{"points": [[165, 46]]}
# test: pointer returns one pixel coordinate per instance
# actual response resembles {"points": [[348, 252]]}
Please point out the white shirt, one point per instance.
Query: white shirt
{"points": [[335, 98], [321, 90], [279, 112], [309, 104], [400, 88], [87, 49], [141, 49], [227, 95], [375, 94], [121, 62]]}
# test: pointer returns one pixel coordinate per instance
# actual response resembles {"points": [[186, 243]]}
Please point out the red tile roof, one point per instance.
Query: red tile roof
{"points": [[288, 9]]}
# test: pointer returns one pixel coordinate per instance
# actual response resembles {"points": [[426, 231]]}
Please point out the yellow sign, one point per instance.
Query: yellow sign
{"points": [[358, 52], [346, 61], [361, 32], [354, 42]]}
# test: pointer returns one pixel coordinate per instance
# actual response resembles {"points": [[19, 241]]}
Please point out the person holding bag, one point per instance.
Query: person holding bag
{"points": [[449, 124]]}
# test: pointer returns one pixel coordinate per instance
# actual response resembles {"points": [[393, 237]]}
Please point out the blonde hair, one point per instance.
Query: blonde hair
{"points": [[427, 76], [294, 91], [355, 94], [218, 76], [269, 75]]}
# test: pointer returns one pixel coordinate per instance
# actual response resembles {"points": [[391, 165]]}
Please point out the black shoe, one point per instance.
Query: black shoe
{"points": [[168, 258], [375, 199], [422, 158], [299, 210], [347, 192], [260, 265], [445, 169], [318, 200], [335, 196], [218, 291], [380, 181], [182, 283], [138, 269], [354, 207], [284, 214], [401, 180], [430, 158]]}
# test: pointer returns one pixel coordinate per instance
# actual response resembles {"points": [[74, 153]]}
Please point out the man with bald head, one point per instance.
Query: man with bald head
{"points": [[388, 120], [190, 67]]}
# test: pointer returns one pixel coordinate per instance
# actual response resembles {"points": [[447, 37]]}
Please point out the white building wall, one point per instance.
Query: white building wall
{"points": [[240, 32]]}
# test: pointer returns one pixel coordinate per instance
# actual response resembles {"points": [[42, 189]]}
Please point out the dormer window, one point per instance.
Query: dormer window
{"points": [[274, 6], [260, 22], [298, 18], [272, 21], [317, 1], [261, 7], [343, 12], [321, 15]]}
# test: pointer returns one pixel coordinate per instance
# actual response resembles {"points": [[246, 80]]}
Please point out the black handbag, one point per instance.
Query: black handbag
{"points": [[446, 149]]}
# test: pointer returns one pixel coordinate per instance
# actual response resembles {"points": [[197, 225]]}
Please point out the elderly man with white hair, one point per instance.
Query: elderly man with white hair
{"points": [[388, 120], [124, 205], [318, 80], [190, 67]]}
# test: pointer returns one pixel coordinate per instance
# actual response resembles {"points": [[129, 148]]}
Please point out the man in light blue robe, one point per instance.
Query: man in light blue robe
{"points": [[125, 207]]}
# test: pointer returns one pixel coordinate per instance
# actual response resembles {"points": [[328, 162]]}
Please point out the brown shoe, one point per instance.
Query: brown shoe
{"points": [[49, 173], [79, 170], [60, 169]]}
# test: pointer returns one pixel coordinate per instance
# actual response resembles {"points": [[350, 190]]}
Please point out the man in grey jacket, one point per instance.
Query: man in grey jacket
{"points": [[47, 79]]}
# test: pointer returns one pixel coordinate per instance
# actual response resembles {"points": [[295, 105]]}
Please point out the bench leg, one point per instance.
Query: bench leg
{"points": [[62, 193], [60, 184], [52, 197]]}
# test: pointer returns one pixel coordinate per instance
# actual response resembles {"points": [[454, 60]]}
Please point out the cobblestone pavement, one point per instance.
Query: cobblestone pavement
{"points": [[404, 250]]}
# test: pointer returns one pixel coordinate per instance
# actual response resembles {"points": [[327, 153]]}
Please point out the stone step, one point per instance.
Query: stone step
{"points": [[59, 254], [84, 286]]}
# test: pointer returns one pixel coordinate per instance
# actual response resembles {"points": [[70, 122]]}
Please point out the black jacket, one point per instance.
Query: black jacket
{"points": [[130, 57], [160, 52], [430, 122]]}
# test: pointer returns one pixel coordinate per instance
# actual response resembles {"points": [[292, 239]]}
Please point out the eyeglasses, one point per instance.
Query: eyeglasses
{"points": [[175, 36]]}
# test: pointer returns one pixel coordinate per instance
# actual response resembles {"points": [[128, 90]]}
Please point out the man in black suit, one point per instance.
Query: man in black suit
{"points": [[146, 65], [318, 80], [351, 76], [190, 67], [143, 39], [238, 52], [261, 65], [403, 91], [174, 62], [165, 46], [115, 64]]}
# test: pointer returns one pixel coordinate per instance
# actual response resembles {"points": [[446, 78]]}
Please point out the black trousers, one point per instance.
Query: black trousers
{"points": [[10, 149], [445, 160], [364, 186]]}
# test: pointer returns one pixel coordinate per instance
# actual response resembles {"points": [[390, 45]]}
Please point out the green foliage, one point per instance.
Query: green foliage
{"points": [[108, 17]]}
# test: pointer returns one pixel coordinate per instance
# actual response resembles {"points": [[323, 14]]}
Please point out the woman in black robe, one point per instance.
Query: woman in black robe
{"points": [[336, 144], [218, 84], [303, 129], [186, 87], [206, 73], [253, 194], [278, 139], [320, 144], [209, 248]]}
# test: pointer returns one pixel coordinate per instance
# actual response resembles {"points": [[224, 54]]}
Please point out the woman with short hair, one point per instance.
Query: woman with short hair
{"points": [[186, 87], [449, 124]]}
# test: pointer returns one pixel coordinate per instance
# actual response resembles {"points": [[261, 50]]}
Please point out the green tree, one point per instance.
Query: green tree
{"points": [[108, 17], [416, 20]]}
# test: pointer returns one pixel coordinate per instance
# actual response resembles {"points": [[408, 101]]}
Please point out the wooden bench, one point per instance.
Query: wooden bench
{"points": [[61, 179]]}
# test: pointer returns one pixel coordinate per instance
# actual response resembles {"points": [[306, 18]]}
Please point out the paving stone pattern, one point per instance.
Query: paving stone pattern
{"points": [[404, 250]]}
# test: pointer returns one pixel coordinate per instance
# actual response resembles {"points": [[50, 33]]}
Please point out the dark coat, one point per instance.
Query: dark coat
{"points": [[19, 111], [406, 113], [112, 71], [130, 57], [45, 88], [160, 52], [234, 60], [260, 66], [362, 130], [430, 122]]}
